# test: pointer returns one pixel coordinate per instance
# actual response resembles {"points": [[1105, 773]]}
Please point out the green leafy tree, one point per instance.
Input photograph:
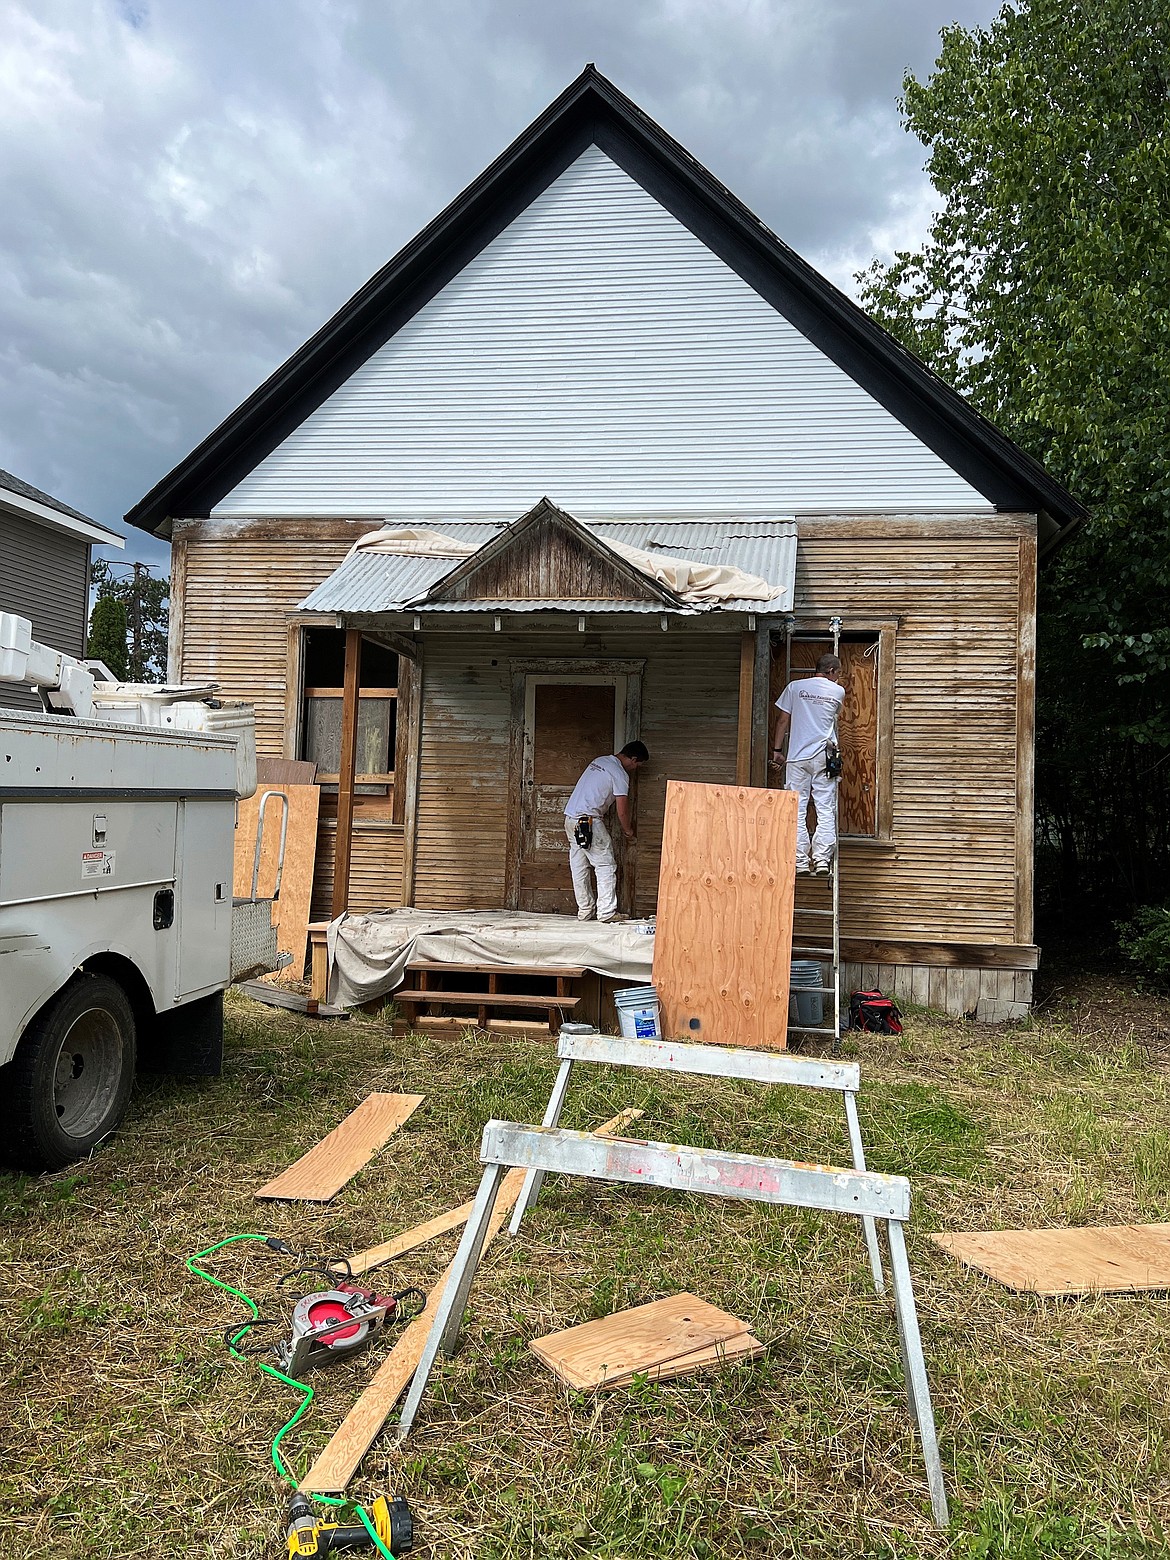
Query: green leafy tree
{"points": [[144, 601], [1043, 294], [107, 635]]}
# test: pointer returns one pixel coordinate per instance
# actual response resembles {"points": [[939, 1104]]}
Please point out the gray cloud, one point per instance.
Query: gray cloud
{"points": [[189, 190]]}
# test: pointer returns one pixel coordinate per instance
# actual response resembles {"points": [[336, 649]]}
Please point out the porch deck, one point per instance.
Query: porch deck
{"points": [[368, 954]]}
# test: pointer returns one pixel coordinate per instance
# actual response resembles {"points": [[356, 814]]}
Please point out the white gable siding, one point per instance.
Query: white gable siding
{"points": [[598, 352]]}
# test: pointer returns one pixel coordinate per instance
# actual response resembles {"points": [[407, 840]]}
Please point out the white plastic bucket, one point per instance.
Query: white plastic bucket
{"points": [[804, 1006], [639, 1016]]}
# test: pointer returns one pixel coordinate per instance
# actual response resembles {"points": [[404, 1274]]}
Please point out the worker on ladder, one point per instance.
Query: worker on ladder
{"points": [[809, 710]]}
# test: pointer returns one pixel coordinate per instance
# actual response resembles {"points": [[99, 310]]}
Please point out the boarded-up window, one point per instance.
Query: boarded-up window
{"points": [[857, 798], [377, 724]]}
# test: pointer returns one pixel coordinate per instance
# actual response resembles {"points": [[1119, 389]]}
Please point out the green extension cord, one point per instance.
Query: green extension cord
{"points": [[306, 1391]]}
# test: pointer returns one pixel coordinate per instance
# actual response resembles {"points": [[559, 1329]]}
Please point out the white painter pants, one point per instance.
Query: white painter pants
{"points": [[808, 778], [600, 858]]}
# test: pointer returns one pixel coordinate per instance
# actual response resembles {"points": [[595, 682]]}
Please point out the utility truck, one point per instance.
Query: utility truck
{"points": [[118, 928]]}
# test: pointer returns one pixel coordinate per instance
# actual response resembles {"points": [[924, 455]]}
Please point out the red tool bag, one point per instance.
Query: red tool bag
{"points": [[869, 1010]]}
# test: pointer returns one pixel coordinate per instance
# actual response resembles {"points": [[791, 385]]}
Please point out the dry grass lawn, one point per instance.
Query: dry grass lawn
{"points": [[128, 1431]]}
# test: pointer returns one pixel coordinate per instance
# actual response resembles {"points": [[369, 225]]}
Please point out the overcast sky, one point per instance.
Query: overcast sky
{"points": [[189, 188]]}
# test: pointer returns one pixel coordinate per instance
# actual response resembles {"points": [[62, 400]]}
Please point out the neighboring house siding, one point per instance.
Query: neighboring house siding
{"points": [[44, 576], [597, 352]]}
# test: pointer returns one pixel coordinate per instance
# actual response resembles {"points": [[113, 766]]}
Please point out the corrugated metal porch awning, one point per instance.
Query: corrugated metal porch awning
{"points": [[376, 582]]}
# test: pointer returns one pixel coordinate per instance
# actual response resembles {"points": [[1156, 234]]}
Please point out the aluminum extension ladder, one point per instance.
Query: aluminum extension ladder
{"points": [[809, 919]]}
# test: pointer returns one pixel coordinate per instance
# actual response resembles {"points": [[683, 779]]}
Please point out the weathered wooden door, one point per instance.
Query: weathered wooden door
{"points": [[567, 723]]}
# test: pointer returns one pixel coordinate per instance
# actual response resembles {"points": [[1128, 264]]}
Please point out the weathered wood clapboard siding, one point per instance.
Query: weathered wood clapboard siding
{"points": [[375, 868], [949, 873], [236, 596], [689, 712], [236, 593]]}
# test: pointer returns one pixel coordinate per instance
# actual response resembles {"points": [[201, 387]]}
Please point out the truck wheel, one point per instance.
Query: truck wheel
{"points": [[71, 1075]]}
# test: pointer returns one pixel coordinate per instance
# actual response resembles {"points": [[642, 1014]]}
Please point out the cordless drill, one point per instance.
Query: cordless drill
{"points": [[309, 1535]]}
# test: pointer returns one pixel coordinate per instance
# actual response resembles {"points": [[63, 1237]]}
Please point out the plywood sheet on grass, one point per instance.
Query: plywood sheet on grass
{"points": [[728, 1351], [609, 1352], [723, 943], [1112, 1259], [291, 913], [321, 1173]]}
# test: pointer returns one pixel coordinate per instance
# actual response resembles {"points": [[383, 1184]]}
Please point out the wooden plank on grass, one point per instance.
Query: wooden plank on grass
{"points": [[409, 1240], [355, 1435], [374, 1256], [1113, 1259], [323, 1171], [604, 1352], [292, 1001], [723, 945]]}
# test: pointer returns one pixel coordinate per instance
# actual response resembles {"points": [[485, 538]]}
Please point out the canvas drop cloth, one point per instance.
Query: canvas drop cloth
{"points": [[368, 954], [698, 583], [411, 542]]}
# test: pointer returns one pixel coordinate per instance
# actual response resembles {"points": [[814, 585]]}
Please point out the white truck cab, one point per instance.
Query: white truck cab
{"points": [[116, 906]]}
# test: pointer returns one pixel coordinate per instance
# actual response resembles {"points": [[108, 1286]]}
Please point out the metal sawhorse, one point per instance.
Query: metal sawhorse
{"points": [[712, 1061], [508, 1145]]}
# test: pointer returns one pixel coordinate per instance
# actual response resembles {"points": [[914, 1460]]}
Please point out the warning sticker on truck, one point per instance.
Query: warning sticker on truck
{"points": [[98, 863]]}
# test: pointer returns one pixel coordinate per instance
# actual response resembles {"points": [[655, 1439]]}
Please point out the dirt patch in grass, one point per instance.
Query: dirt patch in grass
{"points": [[128, 1430]]}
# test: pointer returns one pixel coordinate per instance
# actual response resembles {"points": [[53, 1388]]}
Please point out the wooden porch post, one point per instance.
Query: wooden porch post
{"points": [[747, 672], [347, 764]]}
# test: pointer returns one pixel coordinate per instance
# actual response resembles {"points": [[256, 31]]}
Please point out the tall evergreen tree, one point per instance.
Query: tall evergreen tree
{"points": [[144, 600], [107, 635]]}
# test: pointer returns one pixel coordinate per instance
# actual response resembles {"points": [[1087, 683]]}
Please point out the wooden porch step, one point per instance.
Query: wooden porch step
{"points": [[411, 995]]}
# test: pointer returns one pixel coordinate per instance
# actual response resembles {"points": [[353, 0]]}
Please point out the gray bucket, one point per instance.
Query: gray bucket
{"points": [[638, 1013], [806, 1007]]}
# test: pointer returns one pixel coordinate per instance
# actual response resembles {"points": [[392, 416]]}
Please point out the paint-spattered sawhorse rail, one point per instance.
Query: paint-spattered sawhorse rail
{"points": [[708, 1061], [861, 1193]]}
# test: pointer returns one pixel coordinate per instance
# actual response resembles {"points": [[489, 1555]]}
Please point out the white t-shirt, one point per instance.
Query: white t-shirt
{"points": [[602, 781], [813, 703]]}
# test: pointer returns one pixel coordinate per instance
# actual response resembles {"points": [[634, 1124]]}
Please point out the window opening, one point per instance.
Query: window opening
{"points": [[377, 721], [857, 798]]}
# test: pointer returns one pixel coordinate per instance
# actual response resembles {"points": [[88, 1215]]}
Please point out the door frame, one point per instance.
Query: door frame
{"points": [[526, 674]]}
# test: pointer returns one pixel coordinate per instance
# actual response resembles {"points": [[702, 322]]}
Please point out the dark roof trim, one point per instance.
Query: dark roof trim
{"points": [[642, 586], [592, 110]]}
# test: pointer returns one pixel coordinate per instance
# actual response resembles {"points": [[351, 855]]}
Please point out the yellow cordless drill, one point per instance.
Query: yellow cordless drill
{"points": [[310, 1535]]}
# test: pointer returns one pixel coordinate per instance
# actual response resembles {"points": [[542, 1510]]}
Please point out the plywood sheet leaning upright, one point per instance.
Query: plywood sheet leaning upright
{"points": [[291, 912], [723, 946], [321, 1173]]}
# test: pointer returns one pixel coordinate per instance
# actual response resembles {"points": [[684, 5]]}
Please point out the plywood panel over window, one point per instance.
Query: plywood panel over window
{"points": [[857, 727], [949, 870]]}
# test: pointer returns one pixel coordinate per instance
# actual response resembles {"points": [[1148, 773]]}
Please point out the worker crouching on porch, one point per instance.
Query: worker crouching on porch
{"points": [[605, 782], [808, 719]]}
